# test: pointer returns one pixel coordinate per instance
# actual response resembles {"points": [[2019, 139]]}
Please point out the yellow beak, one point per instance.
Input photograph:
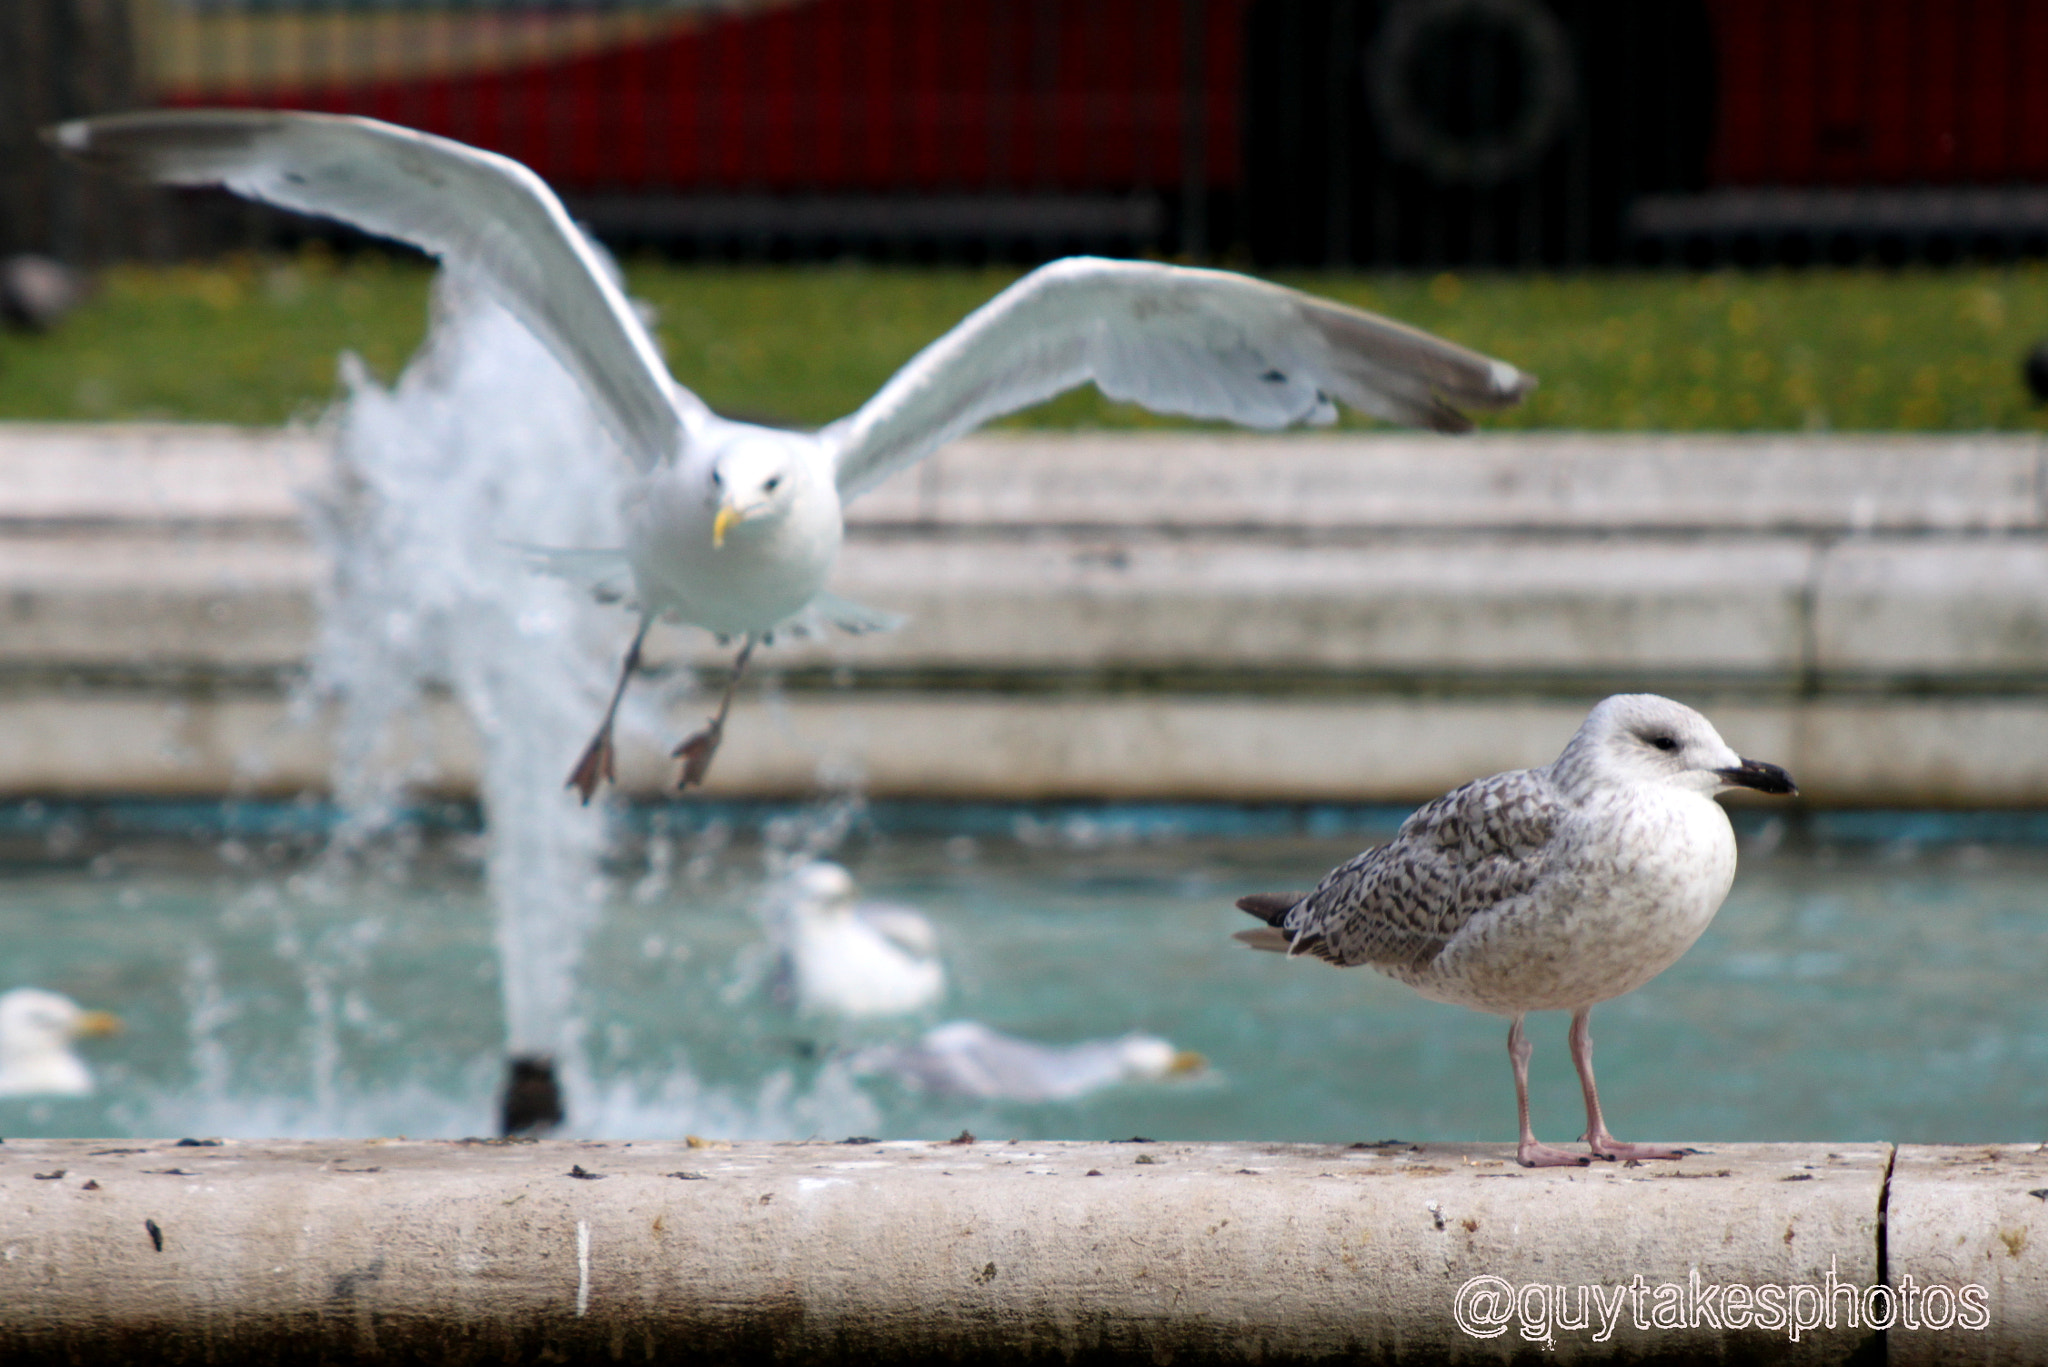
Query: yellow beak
{"points": [[99, 1023], [1185, 1062], [720, 525]]}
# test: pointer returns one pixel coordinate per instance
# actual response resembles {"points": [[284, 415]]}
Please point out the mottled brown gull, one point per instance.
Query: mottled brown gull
{"points": [[1547, 889]]}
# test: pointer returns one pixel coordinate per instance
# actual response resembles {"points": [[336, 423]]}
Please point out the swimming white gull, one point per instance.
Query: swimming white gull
{"points": [[736, 527], [968, 1059], [37, 1030], [1547, 889]]}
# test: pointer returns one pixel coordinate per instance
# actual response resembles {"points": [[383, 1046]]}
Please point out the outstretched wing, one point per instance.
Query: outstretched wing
{"points": [[1202, 343], [473, 209]]}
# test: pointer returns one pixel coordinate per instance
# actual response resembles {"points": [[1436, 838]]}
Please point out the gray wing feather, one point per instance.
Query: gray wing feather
{"points": [[477, 211], [1200, 343], [1464, 854]]}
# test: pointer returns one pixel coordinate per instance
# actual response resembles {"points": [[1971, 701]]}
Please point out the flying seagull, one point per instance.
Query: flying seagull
{"points": [[1547, 889], [735, 527]]}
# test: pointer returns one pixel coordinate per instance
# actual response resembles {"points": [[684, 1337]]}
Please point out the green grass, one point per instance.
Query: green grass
{"points": [[254, 341], [245, 341]]}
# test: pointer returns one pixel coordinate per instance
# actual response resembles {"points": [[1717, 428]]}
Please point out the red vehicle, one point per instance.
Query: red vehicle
{"points": [[1411, 131]]}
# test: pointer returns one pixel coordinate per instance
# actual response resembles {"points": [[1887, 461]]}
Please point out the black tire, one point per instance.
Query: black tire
{"points": [[1424, 133]]}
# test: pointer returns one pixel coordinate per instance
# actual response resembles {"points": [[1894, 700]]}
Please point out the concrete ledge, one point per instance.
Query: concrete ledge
{"points": [[920, 1252], [1960, 1216]]}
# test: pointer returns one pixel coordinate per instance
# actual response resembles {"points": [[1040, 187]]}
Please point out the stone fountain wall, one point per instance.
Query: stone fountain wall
{"points": [[910, 1251]]}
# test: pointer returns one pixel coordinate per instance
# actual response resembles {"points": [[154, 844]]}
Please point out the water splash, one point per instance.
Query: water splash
{"points": [[484, 446]]}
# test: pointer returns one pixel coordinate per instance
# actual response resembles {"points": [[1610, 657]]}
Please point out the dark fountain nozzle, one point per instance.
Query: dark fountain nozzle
{"points": [[531, 1103]]}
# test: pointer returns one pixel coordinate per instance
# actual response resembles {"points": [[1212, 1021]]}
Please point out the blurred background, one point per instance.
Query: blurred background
{"points": [[1559, 149], [1778, 266], [1378, 133]]}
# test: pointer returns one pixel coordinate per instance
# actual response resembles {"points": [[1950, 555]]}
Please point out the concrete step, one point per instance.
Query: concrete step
{"points": [[1555, 481], [191, 473], [179, 739], [1773, 612], [1362, 618]]}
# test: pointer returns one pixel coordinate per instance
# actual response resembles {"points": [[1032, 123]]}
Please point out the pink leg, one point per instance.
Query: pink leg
{"points": [[1528, 1152], [596, 765], [697, 749], [1603, 1144]]}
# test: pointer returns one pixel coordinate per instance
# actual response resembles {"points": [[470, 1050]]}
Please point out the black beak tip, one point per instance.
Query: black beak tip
{"points": [[1761, 777]]}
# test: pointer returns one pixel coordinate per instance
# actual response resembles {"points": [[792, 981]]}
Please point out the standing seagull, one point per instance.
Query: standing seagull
{"points": [[736, 527], [1546, 889]]}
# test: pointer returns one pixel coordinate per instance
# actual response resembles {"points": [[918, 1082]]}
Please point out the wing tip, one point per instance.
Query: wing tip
{"points": [[158, 144], [1506, 386], [1425, 378], [1510, 385]]}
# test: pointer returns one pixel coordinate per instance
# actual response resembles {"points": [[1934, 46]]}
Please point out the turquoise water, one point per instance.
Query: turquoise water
{"points": [[1871, 977]]}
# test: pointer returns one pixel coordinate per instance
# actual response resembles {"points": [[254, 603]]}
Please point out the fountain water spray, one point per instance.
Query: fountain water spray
{"points": [[484, 449], [484, 446]]}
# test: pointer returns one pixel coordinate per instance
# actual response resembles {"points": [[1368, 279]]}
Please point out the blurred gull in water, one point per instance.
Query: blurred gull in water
{"points": [[736, 527], [850, 958], [968, 1059], [37, 1030]]}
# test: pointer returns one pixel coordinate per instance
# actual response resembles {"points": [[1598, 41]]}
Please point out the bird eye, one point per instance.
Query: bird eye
{"points": [[773, 482], [1664, 743], [717, 479]]}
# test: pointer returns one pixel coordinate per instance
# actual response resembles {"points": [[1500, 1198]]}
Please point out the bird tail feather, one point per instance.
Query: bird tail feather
{"points": [[1272, 908], [1266, 938], [1269, 907]]}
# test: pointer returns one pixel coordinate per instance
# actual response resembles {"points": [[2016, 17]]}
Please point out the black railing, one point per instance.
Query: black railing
{"points": [[1380, 133]]}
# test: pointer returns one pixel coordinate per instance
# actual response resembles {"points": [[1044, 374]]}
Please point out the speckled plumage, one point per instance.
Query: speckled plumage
{"points": [[1542, 889], [1398, 907]]}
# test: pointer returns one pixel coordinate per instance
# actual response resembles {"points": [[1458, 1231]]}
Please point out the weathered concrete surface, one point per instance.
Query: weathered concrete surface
{"points": [[83, 473], [89, 740], [1556, 480], [919, 1252], [1256, 618], [1978, 1216], [1946, 610], [1501, 604]]}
